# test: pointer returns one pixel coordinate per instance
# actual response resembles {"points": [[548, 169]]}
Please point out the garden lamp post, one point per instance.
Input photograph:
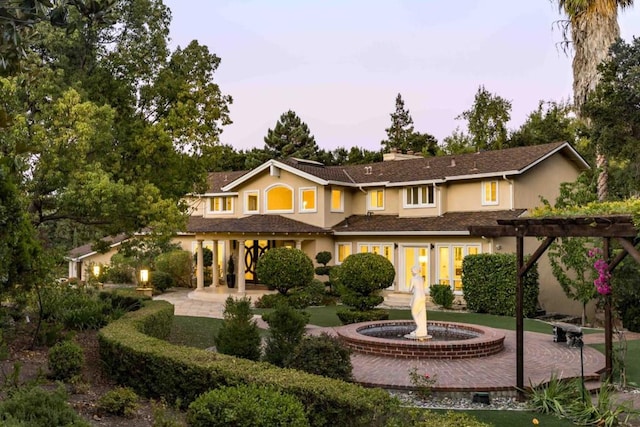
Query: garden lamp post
{"points": [[144, 281]]}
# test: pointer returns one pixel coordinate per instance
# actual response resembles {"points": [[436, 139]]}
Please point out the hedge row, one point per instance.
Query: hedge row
{"points": [[489, 285], [134, 354]]}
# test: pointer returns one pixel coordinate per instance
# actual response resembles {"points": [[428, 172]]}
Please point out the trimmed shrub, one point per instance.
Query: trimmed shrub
{"points": [[125, 299], [118, 271], [322, 355], [441, 295], [489, 285], [626, 294], [246, 406], [239, 335], [161, 280], [286, 328], [65, 360], [121, 401], [75, 308], [157, 368], [284, 268], [176, 264], [354, 316], [271, 300], [361, 277], [311, 295], [35, 407]]}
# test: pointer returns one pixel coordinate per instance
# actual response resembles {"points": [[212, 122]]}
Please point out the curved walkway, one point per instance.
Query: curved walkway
{"points": [[496, 373]]}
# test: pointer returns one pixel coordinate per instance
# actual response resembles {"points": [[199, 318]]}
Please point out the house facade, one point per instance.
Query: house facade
{"points": [[412, 210]]}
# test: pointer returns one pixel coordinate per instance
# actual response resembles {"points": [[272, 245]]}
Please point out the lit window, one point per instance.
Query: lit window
{"points": [[221, 204], [386, 250], [337, 200], [419, 196], [376, 199], [279, 199], [450, 259], [307, 200], [251, 202], [490, 193], [344, 250]]}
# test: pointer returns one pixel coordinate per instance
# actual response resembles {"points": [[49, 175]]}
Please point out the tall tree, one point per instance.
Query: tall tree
{"points": [[593, 25], [401, 128], [613, 109], [291, 138], [550, 122], [457, 143], [487, 120]]}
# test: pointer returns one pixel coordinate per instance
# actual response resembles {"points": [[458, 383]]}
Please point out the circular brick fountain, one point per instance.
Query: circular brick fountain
{"points": [[450, 340]]}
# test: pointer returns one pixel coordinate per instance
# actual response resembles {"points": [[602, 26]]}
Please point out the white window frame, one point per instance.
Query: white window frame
{"points": [[246, 201], [266, 199], [451, 278], [338, 244], [381, 245], [486, 202], [369, 195], [220, 212], [341, 208], [421, 203], [301, 207]]}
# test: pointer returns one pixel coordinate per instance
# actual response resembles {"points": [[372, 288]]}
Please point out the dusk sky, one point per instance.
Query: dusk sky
{"points": [[340, 64]]}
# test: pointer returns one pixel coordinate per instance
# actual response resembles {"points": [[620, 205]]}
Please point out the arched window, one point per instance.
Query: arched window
{"points": [[279, 199]]}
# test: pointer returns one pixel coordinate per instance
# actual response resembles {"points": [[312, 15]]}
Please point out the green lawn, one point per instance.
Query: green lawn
{"points": [[515, 418], [632, 361]]}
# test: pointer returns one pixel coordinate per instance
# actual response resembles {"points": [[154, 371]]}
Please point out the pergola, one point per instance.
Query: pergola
{"points": [[608, 227]]}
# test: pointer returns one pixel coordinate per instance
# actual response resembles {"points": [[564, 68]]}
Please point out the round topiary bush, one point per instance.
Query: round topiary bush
{"points": [[360, 279], [121, 401], [66, 359], [161, 280], [284, 268], [246, 406], [442, 295], [322, 355]]}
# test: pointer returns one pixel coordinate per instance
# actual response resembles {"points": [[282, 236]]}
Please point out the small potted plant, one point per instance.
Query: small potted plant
{"points": [[231, 273]]}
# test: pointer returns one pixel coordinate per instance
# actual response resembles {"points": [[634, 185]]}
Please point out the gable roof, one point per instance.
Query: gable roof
{"points": [[251, 224], [81, 252], [451, 223], [483, 164]]}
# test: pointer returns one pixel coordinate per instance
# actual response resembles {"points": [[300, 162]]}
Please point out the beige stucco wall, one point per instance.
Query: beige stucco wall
{"points": [[467, 196], [536, 182]]}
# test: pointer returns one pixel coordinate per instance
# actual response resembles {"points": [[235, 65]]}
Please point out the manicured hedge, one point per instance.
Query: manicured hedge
{"points": [[134, 354], [489, 285]]}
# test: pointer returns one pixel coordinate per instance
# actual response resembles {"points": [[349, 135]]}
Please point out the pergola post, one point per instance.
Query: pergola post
{"points": [[519, 316], [608, 324]]}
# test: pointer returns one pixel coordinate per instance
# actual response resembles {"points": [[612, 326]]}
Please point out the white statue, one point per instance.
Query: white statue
{"points": [[418, 305]]}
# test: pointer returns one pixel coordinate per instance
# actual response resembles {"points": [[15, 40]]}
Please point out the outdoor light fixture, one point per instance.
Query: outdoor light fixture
{"points": [[96, 270], [144, 276]]}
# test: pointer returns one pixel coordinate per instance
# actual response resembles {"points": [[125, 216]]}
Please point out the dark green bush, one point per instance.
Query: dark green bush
{"points": [[489, 285], [176, 264], [284, 268], [207, 257], [313, 294], [65, 360], [35, 407], [125, 299], [121, 401], [161, 280], [156, 368], [354, 316], [239, 335], [322, 355], [286, 328], [119, 271], [75, 308], [626, 294], [246, 406], [271, 300], [361, 277], [441, 295]]}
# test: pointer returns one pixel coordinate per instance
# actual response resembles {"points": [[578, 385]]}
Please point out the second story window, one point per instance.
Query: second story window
{"points": [[419, 196], [251, 202], [337, 200], [490, 192], [221, 204], [308, 199], [376, 199], [279, 199]]}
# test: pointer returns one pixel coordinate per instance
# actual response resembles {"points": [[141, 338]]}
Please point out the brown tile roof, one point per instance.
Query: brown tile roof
{"points": [[251, 224], [434, 168], [217, 180], [450, 221], [86, 249]]}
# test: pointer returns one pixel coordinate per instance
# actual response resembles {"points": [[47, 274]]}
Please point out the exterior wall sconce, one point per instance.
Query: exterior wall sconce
{"points": [[96, 270]]}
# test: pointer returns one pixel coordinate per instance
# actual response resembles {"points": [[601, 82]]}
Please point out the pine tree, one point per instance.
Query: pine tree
{"points": [[401, 129], [291, 138]]}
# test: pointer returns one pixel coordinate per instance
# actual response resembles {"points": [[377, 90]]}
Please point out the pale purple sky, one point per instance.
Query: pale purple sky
{"points": [[339, 64]]}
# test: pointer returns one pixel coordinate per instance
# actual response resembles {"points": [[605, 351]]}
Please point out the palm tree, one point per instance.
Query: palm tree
{"points": [[594, 28]]}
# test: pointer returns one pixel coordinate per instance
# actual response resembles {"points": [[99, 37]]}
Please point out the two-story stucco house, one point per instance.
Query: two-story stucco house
{"points": [[410, 209]]}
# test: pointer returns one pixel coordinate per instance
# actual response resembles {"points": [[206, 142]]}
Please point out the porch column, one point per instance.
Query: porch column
{"points": [[214, 265], [240, 268], [200, 267], [299, 244]]}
